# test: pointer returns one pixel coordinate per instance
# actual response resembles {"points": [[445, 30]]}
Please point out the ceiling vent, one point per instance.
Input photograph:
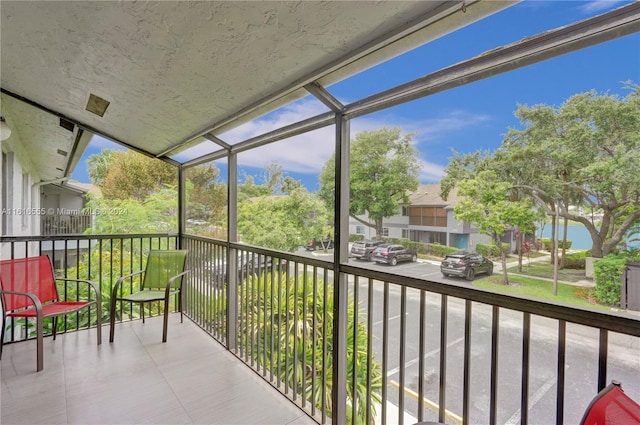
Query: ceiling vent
{"points": [[97, 105], [66, 124]]}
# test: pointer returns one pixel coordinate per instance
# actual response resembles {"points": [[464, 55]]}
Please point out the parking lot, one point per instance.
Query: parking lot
{"points": [[623, 361]]}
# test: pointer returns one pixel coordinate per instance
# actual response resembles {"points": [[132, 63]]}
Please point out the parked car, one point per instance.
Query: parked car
{"points": [[362, 249], [262, 263], [248, 264], [465, 264], [393, 254], [320, 243]]}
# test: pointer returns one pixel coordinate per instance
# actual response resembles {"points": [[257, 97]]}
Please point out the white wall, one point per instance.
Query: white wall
{"points": [[20, 201]]}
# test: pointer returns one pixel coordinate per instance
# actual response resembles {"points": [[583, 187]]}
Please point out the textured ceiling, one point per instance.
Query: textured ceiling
{"points": [[173, 71]]}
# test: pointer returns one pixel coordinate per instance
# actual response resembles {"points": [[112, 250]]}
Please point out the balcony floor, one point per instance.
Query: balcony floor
{"points": [[138, 379]]}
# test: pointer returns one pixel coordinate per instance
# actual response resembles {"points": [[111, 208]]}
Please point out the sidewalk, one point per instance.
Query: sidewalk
{"points": [[585, 283]]}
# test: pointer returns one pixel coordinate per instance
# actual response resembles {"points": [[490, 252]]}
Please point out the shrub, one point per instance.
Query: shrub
{"points": [[547, 243], [487, 250], [440, 250], [576, 260], [491, 250], [287, 323], [608, 274]]}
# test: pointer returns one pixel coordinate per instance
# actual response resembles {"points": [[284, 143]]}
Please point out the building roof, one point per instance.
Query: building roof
{"points": [[428, 195], [86, 187]]}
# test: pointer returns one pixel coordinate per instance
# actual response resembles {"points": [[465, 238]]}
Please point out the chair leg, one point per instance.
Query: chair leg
{"points": [[4, 324], [180, 306], [39, 344], [112, 319], [165, 320], [54, 324], [142, 311], [99, 323]]}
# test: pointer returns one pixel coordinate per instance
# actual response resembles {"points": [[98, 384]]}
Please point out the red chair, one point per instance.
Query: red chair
{"points": [[28, 289], [612, 407]]}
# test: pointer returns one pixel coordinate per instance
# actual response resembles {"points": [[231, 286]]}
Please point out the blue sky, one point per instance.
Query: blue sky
{"points": [[468, 118]]}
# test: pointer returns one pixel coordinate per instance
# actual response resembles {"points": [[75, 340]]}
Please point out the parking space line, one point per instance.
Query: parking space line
{"points": [[379, 322], [537, 396], [417, 359]]}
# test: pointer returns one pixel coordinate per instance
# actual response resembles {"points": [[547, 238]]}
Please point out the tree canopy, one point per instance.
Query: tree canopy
{"points": [[129, 175], [206, 194], [384, 170], [157, 214], [583, 157], [283, 222], [486, 202], [146, 189]]}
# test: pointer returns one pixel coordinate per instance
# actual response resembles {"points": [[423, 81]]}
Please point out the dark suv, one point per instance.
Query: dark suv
{"points": [[393, 254], [465, 264], [319, 243], [362, 249]]}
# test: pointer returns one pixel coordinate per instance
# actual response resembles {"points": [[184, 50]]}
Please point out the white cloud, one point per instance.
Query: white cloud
{"points": [[100, 142], [307, 153], [600, 5], [430, 172]]}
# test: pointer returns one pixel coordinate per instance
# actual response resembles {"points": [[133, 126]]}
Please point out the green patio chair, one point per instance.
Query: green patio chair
{"points": [[161, 279]]}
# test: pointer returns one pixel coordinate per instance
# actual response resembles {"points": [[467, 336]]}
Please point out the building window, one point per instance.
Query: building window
{"points": [[359, 230], [385, 232], [405, 211], [405, 233], [428, 216]]}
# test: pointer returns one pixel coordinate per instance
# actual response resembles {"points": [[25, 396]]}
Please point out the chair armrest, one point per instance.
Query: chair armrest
{"points": [[94, 285], [170, 282], [119, 282], [34, 299]]}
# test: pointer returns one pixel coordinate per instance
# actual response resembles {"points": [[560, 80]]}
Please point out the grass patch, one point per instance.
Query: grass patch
{"points": [[545, 270], [541, 289]]}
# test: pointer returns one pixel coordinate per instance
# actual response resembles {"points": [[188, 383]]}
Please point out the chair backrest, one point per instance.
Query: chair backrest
{"points": [[33, 275], [162, 266], [612, 406]]}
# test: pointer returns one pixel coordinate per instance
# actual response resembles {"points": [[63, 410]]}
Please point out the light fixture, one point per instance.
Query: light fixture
{"points": [[97, 105], [5, 131]]}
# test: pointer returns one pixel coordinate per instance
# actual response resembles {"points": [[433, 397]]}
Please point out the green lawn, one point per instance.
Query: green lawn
{"points": [[540, 289], [545, 270]]}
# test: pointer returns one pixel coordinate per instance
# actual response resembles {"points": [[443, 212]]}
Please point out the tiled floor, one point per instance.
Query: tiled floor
{"points": [[137, 380]]}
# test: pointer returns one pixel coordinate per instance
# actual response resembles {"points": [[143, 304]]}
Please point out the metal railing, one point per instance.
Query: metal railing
{"points": [[100, 258], [72, 224], [416, 350]]}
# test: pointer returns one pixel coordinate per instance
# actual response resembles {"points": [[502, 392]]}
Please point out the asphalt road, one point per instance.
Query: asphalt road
{"points": [[581, 358]]}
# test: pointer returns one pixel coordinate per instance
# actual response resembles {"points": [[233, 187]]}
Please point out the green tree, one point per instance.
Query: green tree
{"points": [[206, 194], [250, 189], [157, 214], [273, 176], [98, 166], [283, 222], [585, 153], [131, 175], [487, 204], [289, 184], [384, 170], [273, 181]]}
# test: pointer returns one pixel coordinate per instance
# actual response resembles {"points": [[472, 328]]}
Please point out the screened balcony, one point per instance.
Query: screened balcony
{"points": [[527, 360], [288, 341]]}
